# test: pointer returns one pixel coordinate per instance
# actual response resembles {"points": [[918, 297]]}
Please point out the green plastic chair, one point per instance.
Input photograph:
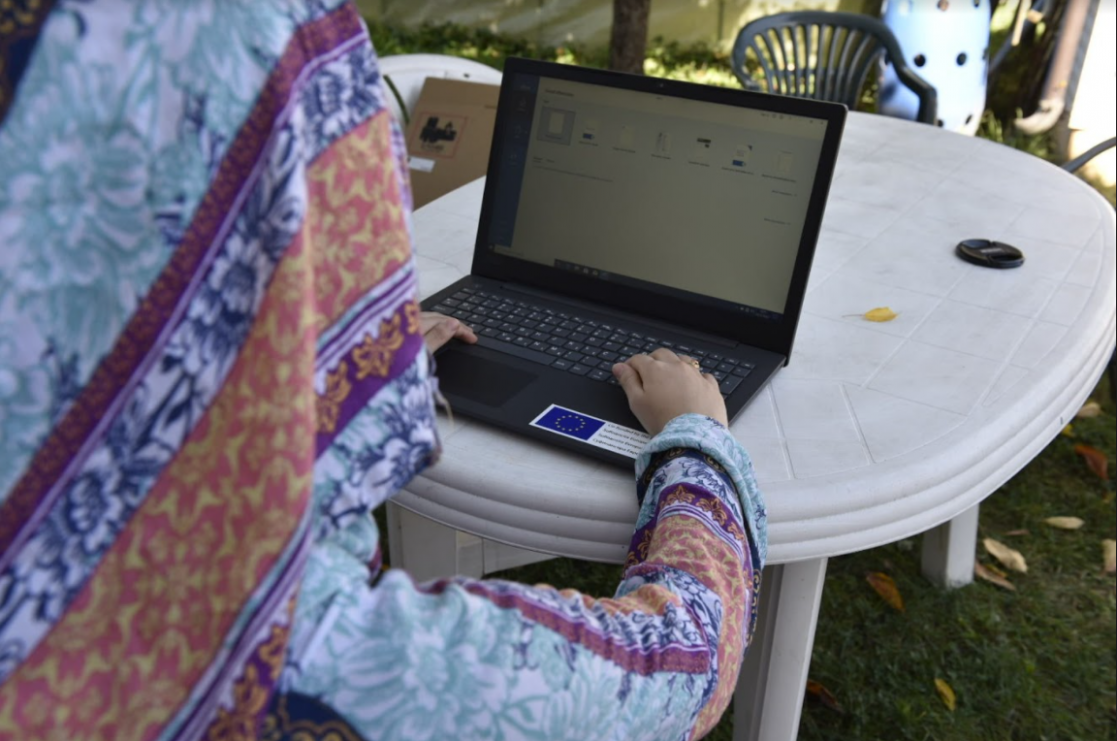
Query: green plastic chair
{"points": [[825, 56]]}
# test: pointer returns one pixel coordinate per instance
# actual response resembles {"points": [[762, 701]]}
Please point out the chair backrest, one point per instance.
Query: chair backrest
{"points": [[824, 56], [1081, 160], [404, 75]]}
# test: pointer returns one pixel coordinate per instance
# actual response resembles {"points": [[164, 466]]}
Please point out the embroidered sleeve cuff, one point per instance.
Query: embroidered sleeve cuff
{"points": [[709, 437]]}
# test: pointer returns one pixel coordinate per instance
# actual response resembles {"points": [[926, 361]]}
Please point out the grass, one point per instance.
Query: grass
{"points": [[1037, 664]]}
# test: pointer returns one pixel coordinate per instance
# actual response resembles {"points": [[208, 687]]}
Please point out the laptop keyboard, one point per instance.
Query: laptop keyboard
{"points": [[571, 343]]}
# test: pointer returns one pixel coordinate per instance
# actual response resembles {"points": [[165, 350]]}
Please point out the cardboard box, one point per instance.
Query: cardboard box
{"points": [[449, 137]]}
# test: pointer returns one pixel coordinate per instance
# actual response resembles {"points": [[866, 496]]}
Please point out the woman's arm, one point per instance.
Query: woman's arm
{"points": [[465, 658]]}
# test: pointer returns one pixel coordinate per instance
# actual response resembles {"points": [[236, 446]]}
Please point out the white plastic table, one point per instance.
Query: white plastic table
{"points": [[874, 432]]}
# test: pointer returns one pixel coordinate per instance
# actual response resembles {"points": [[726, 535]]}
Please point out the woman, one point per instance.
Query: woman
{"points": [[213, 367]]}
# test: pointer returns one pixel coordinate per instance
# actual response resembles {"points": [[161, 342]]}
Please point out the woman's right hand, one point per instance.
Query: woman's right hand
{"points": [[662, 386]]}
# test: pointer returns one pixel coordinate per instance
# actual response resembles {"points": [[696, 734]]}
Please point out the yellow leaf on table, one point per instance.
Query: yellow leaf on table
{"points": [[881, 315], [886, 588], [946, 692], [1095, 459], [1091, 410], [1109, 549], [823, 695], [1065, 523], [993, 576], [1010, 557]]}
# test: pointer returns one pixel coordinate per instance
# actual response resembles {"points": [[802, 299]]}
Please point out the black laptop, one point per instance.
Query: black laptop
{"points": [[622, 214]]}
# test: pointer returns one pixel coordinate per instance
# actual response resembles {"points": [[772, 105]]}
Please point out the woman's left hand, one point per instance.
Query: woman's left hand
{"points": [[438, 329]]}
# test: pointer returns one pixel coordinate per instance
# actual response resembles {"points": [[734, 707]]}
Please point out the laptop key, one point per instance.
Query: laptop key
{"points": [[612, 346], [507, 327], [564, 333], [576, 346], [573, 357], [539, 346], [730, 384], [540, 336], [506, 337], [523, 332], [488, 332], [561, 364], [732, 361], [555, 350], [610, 357], [595, 341], [742, 371], [579, 370], [569, 325], [725, 367], [579, 336], [522, 342], [629, 351], [600, 375]]}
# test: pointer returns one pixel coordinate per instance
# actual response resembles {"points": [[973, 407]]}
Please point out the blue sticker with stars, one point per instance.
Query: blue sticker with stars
{"points": [[591, 430]]}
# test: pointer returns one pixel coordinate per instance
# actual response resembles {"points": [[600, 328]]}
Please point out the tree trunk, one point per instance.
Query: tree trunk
{"points": [[630, 35]]}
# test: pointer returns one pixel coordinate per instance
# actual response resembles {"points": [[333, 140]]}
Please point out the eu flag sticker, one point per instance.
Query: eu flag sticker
{"points": [[591, 430], [569, 423]]}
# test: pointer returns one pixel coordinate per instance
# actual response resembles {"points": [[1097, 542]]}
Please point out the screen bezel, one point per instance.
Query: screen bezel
{"points": [[776, 335]]}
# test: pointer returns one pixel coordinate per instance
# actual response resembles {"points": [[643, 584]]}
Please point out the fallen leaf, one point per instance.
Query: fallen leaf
{"points": [[1068, 431], [1065, 523], [1095, 459], [1014, 533], [1092, 410], [823, 695], [1109, 549], [1010, 557], [946, 693], [993, 576], [998, 572], [881, 315], [886, 588]]}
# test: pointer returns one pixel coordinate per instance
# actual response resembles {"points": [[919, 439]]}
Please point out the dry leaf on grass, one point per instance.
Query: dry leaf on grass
{"points": [[993, 576], [1109, 549], [1065, 523], [1092, 410], [823, 695], [946, 692], [1095, 459], [886, 588], [1068, 431], [1014, 533], [1010, 557], [880, 315]]}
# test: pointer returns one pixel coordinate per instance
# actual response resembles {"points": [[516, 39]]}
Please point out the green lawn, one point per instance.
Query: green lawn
{"points": [[1036, 664]]}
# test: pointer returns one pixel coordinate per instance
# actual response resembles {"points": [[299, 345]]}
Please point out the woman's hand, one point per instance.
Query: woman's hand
{"points": [[662, 386], [438, 329]]}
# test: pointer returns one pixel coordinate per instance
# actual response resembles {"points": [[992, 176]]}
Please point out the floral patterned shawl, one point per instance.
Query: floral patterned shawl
{"points": [[206, 288]]}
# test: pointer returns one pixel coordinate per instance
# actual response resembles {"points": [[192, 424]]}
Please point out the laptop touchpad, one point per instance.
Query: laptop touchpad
{"points": [[478, 379]]}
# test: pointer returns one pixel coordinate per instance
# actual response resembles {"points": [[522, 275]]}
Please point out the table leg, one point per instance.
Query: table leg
{"points": [[427, 550], [948, 550], [769, 698]]}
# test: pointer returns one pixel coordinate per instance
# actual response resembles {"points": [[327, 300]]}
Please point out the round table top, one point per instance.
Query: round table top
{"points": [[874, 432]]}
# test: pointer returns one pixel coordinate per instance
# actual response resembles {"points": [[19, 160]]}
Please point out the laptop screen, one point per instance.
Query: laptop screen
{"points": [[701, 200]]}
